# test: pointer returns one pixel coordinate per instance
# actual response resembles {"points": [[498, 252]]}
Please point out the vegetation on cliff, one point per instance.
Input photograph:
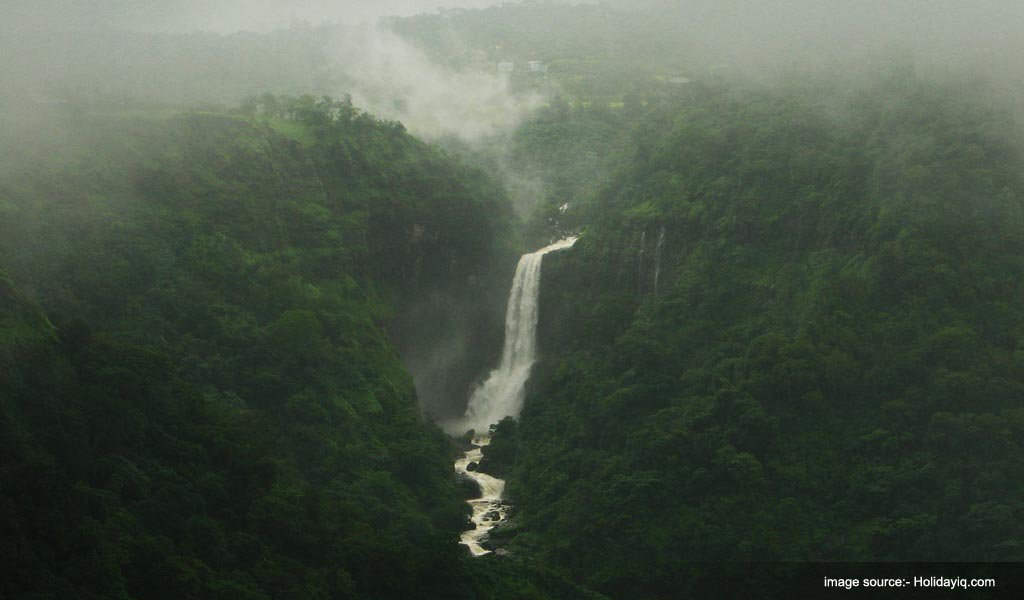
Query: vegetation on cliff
{"points": [[198, 397], [791, 330]]}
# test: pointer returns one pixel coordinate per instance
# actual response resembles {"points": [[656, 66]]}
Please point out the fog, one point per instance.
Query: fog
{"points": [[801, 33], [125, 48], [725, 32], [392, 78], [85, 50], [224, 16]]}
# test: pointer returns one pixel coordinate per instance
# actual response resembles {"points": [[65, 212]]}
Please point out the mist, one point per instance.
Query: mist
{"points": [[222, 16], [190, 51], [390, 77], [801, 34], [111, 52]]}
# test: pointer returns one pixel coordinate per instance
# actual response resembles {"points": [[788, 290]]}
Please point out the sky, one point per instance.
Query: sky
{"points": [[747, 25], [396, 80], [384, 73], [224, 16]]}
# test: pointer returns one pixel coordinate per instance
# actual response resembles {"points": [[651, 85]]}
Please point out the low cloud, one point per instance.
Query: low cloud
{"points": [[391, 78]]}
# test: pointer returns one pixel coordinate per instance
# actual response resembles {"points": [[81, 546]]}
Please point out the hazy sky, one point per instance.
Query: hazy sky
{"points": [[394, 79], [210, 15]]}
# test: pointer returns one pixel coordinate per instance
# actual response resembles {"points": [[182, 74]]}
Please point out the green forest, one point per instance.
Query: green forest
{"points": [[243, 305], [199, 398], [791, 331]]}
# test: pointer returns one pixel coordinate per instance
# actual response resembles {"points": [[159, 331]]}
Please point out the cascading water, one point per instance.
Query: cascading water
{"points": [[488, 509], [501, 395], [657, 258]]}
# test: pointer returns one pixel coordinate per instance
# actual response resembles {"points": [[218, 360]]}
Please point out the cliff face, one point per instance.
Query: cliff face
{"points": [[828, 367]]}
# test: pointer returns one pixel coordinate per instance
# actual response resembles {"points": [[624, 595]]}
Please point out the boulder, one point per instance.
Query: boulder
{"points": [[468, 489]]}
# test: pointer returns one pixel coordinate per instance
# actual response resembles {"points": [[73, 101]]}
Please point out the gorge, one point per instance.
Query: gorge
{"points": [[294, 314], [501, 394]]}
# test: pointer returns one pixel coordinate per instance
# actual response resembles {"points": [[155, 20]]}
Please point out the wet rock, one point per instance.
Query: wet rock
{"points": [[468, 488], [492, 516], [472, 466], [464, 442]]}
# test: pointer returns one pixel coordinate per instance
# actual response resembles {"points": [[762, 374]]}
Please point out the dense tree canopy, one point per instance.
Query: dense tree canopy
{"points": [[791, 330], [198, 398]]}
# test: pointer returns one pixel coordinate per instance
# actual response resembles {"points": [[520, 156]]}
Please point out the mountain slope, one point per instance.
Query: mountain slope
{"points": [[790, 331], [210, 407]]}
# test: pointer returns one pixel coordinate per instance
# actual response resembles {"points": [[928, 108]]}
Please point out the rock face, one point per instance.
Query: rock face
{"points": [[472, 466], [468, 488]]}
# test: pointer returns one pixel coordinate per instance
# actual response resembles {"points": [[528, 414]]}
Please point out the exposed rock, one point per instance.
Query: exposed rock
{"points": [[468, 488]]}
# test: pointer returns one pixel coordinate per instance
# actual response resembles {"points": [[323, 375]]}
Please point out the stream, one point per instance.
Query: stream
{"points": [[489, 509]]}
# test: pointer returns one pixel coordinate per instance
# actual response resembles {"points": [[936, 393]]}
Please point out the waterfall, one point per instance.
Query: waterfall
{"points": [[501, 394], [640, 262], [657, 258]]}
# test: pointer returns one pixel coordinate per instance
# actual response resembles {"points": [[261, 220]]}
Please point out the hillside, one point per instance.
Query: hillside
{"points": [[211, 406], [790, 331]]}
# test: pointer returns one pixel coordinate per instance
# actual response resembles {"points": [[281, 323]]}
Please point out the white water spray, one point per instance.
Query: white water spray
{"points": [[501, 394], [488, 510]]}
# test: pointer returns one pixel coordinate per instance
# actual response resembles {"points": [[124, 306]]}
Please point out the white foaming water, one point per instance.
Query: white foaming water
{"points": [[488, 509], [501, 394]]}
